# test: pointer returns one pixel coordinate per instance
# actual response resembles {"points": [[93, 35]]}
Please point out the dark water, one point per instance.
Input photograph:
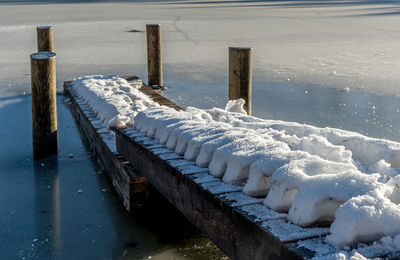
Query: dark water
{"points": [[370, 114], [65, 208]]}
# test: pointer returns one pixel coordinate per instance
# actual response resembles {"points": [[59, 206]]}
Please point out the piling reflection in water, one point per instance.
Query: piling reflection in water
{"points": [[48, 237]]}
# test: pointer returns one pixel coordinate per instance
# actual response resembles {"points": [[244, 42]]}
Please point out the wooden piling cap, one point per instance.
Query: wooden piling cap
{"points": [[241, 48], [44, 27], [43, 55], [153, 25]]}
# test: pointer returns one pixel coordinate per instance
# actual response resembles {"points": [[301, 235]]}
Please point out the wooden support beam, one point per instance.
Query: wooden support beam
{"points": [[240, 75], [154, 59], [44, 104]]}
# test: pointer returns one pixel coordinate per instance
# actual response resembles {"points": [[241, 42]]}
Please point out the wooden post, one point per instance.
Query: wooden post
{"points": [[154, 60], [45, 38], [44, 106], [240, 75]]}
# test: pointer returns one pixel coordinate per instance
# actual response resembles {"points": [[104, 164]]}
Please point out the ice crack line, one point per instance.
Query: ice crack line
{"points": [[185, 34]]}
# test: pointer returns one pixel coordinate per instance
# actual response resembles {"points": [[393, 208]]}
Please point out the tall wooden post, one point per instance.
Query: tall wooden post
{"points": [[45, 38], [240, 75], [154, 60], [44, 106]]}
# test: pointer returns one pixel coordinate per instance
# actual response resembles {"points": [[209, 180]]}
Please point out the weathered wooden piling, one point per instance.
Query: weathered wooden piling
{"points": [[44, 106], [45, 38], [154, 60], [240, 75]]}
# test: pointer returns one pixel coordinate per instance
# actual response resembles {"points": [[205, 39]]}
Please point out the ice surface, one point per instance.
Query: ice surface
{"points": [[107, 35]]}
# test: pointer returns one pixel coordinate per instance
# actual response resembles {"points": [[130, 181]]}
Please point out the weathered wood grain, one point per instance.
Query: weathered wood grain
{"points": [[45, 38], [44, 104], [240, 76], [154, 58]]}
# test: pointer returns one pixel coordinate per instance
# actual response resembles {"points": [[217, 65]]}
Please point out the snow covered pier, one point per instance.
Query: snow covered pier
{"points": [[260, 189], [239, 224], [130, 185], [234, 221]]}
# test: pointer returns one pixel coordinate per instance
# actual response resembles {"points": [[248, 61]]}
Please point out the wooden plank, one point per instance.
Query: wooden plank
{"points": [[158, 98], [129, 184], [230, 229]]}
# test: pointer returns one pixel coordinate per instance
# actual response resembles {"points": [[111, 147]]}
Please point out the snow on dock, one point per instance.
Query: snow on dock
{"points": [[130, 185], [275, 178]]}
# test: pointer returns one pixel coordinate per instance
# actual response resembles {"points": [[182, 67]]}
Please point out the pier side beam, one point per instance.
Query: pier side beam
{"points": [[154, 60]]}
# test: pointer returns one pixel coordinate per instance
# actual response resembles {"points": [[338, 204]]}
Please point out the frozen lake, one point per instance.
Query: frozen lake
{"points": [[340, 44], [320, 62], [65, 208], [305, 53]]}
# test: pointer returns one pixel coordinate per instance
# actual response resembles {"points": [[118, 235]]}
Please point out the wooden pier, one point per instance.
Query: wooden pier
{"points": [[238, 224], [130, 185]]}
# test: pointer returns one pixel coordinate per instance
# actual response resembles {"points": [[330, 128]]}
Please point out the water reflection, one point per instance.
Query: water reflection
{"points": [[47, 235]]}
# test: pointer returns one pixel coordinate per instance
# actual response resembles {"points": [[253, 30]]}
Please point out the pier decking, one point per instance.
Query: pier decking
{"points": [[240, 225]]}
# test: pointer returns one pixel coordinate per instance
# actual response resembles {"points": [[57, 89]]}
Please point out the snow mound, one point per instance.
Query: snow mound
{"points": [[115, 101], [313, 189], [367, 217], [236, 106], [311, 173]]}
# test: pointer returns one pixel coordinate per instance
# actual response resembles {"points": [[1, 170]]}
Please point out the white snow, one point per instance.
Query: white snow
{"points": [[112, 98], [313, 174], [236, 106], [385, 248], [368, 217]]}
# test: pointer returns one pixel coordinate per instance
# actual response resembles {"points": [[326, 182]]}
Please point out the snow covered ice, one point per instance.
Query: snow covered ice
{"points": [[313, 174]]}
